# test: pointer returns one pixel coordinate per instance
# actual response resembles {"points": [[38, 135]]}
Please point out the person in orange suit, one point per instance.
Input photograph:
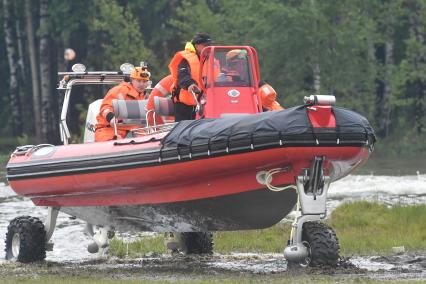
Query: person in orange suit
{"points": [[185, 70], [162, 89], [268, 97], [133, 90]]}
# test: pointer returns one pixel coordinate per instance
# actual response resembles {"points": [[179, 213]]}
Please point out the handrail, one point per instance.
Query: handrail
{"points": [[67, 86]]}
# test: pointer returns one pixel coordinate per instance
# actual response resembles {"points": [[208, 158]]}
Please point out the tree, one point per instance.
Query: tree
{"points": [[35, 74], [411, 97], [11, 47], [45, 72]]}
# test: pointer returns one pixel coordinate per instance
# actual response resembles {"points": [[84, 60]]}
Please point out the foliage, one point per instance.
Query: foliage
{"points": [[343, 46]]}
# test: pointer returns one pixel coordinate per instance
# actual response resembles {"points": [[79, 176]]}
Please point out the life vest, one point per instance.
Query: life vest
{"points": [[268, 96], [184, 96]]}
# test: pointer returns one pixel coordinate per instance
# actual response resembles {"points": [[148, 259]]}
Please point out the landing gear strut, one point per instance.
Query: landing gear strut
{"points": [[312, 243], [101, 236]]}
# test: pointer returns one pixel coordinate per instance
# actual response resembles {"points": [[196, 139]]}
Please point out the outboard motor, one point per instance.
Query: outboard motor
{"points": [[89, 129]]}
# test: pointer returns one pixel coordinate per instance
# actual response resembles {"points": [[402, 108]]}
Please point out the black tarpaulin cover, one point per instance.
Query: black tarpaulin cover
{"points": [[291, 122]]}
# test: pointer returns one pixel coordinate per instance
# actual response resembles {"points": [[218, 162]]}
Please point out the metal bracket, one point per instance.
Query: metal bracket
{"points": [[49, 227], [50, 224]]}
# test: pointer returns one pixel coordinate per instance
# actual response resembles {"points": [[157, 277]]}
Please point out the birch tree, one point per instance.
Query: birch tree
{"points": [[35, 74], [44, 53], [15, 104]]}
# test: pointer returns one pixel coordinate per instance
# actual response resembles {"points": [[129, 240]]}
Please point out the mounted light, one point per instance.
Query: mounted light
{"points": [[126, 68], [78, 68]]}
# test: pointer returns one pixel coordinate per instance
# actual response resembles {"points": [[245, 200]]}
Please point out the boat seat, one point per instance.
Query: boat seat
{"points": [[164, 106], [130, 111]]}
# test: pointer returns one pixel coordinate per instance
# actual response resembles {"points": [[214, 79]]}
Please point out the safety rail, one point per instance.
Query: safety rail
{"points": [[81, 77], [155, 129]]}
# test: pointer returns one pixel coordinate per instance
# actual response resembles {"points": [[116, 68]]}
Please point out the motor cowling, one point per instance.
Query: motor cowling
{"points": [[90, 126]]}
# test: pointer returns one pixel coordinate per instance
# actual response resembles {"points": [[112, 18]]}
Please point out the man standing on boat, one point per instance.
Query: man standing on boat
{"points": [[185, 70], [133, 90]]}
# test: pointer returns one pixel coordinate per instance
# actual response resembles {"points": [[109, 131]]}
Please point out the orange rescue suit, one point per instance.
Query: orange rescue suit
{"points": [[162, 89], [124, 91], [268, 97], [185, 96]]}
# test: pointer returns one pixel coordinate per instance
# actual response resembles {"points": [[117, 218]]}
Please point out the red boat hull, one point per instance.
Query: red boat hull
{"points": [[182, 180]]}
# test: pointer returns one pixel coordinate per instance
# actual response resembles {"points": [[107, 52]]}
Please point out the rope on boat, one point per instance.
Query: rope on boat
{"points": [[268, 179], [133, 142]]}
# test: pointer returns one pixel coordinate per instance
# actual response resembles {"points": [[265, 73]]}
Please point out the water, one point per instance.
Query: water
{"points": [[69, 239], [71, 242]]}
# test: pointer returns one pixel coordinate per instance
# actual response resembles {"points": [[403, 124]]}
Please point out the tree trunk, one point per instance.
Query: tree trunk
{"points": [[416, 31], [15, 104], [387, 89], [317, 79], [46, 94], [35, 74], [20, 40]]}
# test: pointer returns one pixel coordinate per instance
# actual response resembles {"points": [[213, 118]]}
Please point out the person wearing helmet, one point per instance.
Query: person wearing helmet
{"points": [[133, 90], [236, 66], [185, 70]]}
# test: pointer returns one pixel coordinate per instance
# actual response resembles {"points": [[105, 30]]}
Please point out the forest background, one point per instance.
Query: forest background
{"points": [[370, 54]]}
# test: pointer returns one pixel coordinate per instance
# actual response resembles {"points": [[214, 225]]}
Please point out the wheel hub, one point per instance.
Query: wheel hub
{"points": [[16, 245], [307, 260]]}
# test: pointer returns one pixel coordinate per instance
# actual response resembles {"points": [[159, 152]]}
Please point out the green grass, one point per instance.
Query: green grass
{"points": [[137, 248], [267, 240], [362, 228], [368, 228]]}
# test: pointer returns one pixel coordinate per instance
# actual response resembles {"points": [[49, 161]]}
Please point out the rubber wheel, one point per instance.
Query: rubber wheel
{"points": [[323, 244], [25, 240], [198, 242]]}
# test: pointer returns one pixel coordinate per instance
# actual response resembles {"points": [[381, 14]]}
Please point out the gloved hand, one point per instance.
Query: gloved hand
{"points": [[110, 117], [194, 89]]}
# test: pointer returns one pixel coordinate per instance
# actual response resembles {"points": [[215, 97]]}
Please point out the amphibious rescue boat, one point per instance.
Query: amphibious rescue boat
{"points": [[234, 168]]}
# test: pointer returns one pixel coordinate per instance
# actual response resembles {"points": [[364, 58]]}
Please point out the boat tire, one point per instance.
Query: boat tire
{"points": [[198, 242], [323, 244], [25, 240]]}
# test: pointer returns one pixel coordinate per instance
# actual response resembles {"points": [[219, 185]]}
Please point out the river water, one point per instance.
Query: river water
{"points": [[71, 242]]}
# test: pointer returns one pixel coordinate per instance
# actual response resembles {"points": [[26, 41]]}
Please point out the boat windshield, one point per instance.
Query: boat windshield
{"points": [[232, 68]]}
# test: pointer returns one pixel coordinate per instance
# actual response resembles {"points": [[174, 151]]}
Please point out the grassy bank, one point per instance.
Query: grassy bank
{"points": [[368, 228], [363, 228]]}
